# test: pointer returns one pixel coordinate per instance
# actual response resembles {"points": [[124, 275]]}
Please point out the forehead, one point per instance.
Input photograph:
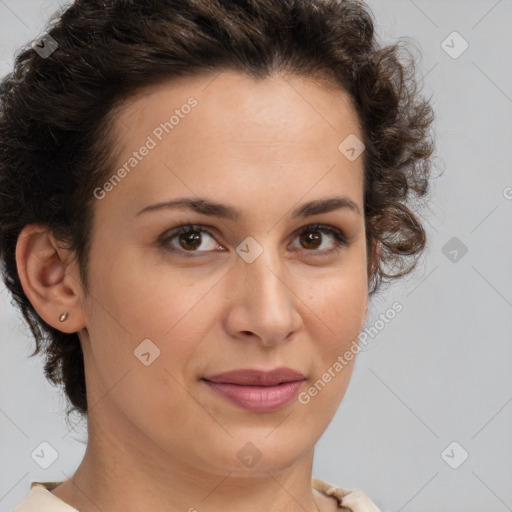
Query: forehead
{"points": [[223, 134], [258, 105]]}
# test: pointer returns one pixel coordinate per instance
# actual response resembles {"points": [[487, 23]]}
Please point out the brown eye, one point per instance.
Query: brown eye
{"points": [[189, 238], [312, 237], [310, 241]]}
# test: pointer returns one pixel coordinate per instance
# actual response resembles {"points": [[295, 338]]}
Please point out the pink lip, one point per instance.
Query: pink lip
{"points": [[257, 390], [256, 377]]}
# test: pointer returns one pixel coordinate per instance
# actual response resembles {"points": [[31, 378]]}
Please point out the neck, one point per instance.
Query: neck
{"points": [[122, 471]]}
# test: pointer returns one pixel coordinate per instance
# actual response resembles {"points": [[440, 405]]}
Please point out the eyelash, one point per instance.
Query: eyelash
{"points": [[339, 238]]}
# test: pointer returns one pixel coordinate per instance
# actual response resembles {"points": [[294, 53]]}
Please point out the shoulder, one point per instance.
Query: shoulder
{"points": [[40, 499], [353, 500]]}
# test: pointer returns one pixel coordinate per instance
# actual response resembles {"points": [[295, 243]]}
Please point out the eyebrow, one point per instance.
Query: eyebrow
{"points": [[212, 208]]}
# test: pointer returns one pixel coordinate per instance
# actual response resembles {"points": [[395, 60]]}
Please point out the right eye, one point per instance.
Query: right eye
{"points": [[188, 239]]}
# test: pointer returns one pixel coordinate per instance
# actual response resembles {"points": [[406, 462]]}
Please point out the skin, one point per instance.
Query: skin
{"points": [[159, 438]]}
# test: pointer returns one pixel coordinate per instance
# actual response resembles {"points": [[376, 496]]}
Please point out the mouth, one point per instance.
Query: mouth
{"points": [[257, 390], [257, 377]]}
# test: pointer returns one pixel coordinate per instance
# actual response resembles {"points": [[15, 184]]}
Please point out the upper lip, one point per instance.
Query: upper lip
{"points": [[256, 377]]}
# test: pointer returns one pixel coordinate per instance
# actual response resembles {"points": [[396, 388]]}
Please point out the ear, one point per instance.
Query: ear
{"points": [[49, 279]]}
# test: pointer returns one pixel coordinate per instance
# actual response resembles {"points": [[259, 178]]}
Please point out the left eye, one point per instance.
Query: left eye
{"points": [[190, 239], [309, 235]]}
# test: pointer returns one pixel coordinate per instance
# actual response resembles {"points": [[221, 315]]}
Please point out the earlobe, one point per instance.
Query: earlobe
{"points": [[47, 279]]}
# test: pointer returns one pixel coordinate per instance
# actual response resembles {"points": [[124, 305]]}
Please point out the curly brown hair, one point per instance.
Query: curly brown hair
{"points": [[57, 115]]}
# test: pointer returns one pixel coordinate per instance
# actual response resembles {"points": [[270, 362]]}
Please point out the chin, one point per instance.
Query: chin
{"points": [[253, 456]]}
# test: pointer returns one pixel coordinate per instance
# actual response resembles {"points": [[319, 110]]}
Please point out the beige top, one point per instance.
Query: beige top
{"points": [[40, 499]]}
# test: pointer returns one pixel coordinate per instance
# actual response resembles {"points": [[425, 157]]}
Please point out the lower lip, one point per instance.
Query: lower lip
{"points": [[258, 398]]}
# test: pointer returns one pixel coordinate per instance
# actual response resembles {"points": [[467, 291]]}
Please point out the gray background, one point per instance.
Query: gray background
{"points": [[440, 371]]}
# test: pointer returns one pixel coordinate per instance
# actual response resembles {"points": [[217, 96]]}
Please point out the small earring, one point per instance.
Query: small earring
{"points": [[63, 317]]}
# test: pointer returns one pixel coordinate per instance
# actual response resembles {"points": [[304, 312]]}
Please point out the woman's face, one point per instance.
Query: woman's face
{"points": [[168, 309]]}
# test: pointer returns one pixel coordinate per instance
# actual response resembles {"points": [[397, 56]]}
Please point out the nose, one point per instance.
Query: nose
{"points": [[264, 302]]}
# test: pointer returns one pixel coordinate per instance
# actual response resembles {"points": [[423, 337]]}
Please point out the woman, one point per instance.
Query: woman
{"points": [[199, 198]]}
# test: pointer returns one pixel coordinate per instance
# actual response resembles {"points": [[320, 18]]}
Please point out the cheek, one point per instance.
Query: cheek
{"points": [[145, 300], [135, 303], [137, 311], [338, 307], [340, 310]]}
